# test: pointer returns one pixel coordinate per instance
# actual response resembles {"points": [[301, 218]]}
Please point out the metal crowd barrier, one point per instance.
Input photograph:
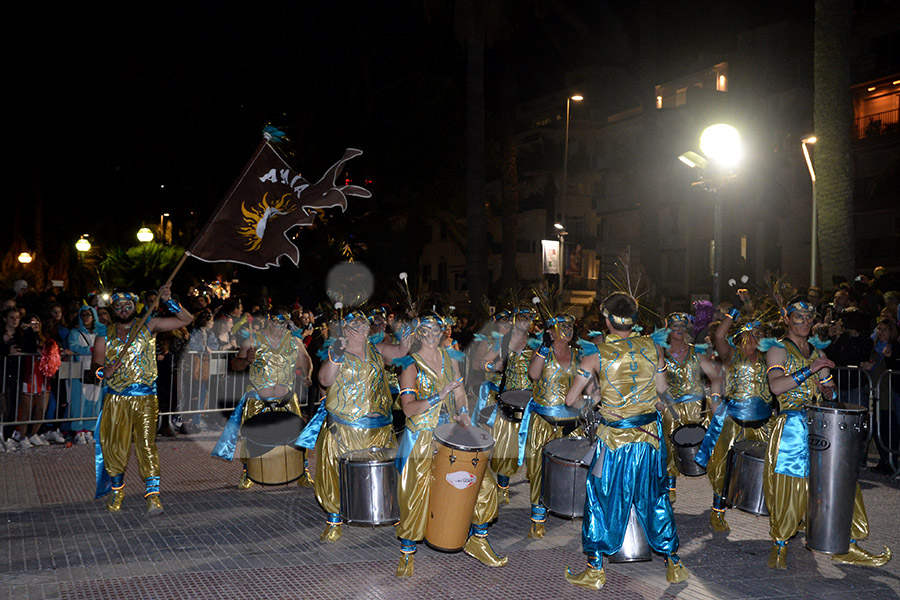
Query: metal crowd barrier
{"points": [[198, 383]]}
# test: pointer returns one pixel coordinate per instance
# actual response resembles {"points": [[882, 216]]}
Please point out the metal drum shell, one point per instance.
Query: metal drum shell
{"points": [[836, 433], [686, 450], [369, 486], [563, 484], [635, 545], [512, 404], [745, 476]]}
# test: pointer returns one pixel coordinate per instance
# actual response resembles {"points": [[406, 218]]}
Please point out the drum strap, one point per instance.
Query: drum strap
{"points": [[484, 392]]}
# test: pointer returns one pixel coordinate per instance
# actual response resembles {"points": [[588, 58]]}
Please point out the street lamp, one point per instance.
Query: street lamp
{"points": [[83, 245], [721, 143], [811, 139], [565, 182], [561, 234], [25, 258], [144, 235]]}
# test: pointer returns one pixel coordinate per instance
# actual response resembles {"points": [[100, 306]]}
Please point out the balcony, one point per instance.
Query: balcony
{"points": [[870, 126]]}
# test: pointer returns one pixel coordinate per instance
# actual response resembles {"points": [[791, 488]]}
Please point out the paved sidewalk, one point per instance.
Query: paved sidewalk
{"points": [[214, 541]]}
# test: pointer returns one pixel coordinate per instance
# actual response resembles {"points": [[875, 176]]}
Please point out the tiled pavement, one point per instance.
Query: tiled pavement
{"points": [[215, 541]]}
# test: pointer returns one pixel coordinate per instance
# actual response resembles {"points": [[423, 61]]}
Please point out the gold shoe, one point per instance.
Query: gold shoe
{"points": [[115, 502], [672, 496], [717, 521], [503, 495], [676, 572], [154, 506], [537, 530], [858, 556], [332, 533], [778, 557], [306, 480], [479, 547], [591, 578], [245, 482], [406, 566]]}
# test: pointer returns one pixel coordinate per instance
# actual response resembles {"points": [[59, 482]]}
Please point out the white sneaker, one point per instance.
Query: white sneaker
{"points": [[55, 437], [24, 444], [80, 439], [43, 438], [89, 437], [10, 445], [36, 440], [16, 436]]}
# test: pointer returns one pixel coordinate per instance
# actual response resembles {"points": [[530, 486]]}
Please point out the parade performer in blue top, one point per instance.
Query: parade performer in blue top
{"points": [[125, 360], [798, 374], [628, 468]]}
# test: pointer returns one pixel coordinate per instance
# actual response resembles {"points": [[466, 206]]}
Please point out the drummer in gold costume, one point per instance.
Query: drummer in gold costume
{"points": [[275, 358], [505, 457], [798, 374], [685, 365], [744, 414], [356, 412], [130, 406], [488, 354], [628, 469], [546, 417], [432, 394]]}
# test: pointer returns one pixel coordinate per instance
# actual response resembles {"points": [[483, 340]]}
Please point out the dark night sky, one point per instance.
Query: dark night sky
{"points": [[108, 107]]}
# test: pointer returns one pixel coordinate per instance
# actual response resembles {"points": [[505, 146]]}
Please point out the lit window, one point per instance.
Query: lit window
{"points": [[722, 84], [744, 247], [871, 89], [659, 102]]}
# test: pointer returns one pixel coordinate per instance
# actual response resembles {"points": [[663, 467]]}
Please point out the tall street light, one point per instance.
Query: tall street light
{"points": [[811, 139], [561, 233], [565, 182]]}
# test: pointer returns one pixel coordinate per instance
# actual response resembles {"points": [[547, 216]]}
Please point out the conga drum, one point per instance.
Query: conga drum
{"points": [[686, 442], [512, 404], [835, 433], [563, 487], [369, 486], [461, 456], [635, 546], [744, 477], [269, 451]]}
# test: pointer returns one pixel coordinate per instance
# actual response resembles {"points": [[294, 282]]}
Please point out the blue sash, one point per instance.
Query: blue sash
{"points": [[227, 443], [104, 483], [484, 392], [635, 421], [793, 448], [136, 389], [309, 435], [408, 440], [753, 409], [561, 411]]}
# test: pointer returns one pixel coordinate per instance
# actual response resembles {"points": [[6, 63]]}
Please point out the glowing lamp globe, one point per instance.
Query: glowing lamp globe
{"points": [[82, 245], [144, 235], [25, 258], [722, 144]]}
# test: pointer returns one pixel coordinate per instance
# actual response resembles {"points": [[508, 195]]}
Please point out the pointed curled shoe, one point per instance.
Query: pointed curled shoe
{"points": [[306, 480], [479, 547], [778, 557], [591, 578], [676, 572], [717, 521], [671, 495], [503, 495], [537, 530], [406, 566], [245, 482], [154, 506], [115, 502], [863, 558], [332, 533]]}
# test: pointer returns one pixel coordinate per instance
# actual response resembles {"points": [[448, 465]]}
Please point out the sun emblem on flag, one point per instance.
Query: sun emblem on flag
{"points": [[257, 218]]}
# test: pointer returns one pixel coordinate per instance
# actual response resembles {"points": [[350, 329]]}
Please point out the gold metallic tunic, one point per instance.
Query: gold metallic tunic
{"points": [[273, 366], [517, 370], [138, 361], [682, 378], [747, 378]]}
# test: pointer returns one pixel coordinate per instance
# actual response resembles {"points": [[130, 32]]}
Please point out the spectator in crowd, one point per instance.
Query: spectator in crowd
{"points": [[199, 349], [37, 370], [11, 345], [885, 351], [851, 348], [84, 394], [103, 316]]}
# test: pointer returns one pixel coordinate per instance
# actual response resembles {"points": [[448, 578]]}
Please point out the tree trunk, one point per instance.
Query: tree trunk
{"points": [[833, 112]]}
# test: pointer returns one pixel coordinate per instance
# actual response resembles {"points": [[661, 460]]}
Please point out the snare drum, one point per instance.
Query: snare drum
{"points": [[269, 452], [460, 458], [512, 404], [369, 486], [745, 477], [686, 442], [563, 487]]}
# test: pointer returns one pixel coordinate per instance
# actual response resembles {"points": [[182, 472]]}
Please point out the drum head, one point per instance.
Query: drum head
{"points": [[752, 448], [370, 455], [837, 407], [568, 449], [468, 439], [517, 398], [272, 428], [689, 435]]}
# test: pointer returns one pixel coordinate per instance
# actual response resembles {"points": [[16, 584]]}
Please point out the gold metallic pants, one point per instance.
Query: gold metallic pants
{"points": [[329, 450], [126, 418], [505, 455], [787, 497], [688, 412], [539, 433], [415, 492], [731, 433]]}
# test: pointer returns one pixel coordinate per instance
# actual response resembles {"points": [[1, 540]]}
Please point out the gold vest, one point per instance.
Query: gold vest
{"points": [[684, 377], [361, 387], [273, 366], [428, 383], [797, 397], [747, 378], [138, 363]]}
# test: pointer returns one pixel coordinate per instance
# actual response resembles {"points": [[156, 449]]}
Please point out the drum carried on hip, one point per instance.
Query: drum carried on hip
{"points": [[269, 451], [512, 404], [461, 456], [635, 546], [563, 487], [836, 431], [369, 486], [686, 442], [744, 477]]}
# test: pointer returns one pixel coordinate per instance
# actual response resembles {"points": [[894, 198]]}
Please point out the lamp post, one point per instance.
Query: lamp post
{"points": [[83, 244], [144, 235], [811, 139], [565, 182], [561, 233]]}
